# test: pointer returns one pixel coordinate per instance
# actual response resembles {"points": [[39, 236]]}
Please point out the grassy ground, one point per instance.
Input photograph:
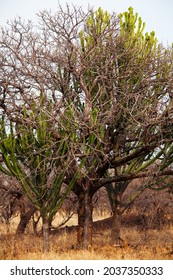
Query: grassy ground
{"points": [[142, 244]]}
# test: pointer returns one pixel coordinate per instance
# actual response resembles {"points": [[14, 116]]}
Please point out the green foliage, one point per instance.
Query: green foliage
{"points": [[132, 26], [96, 25], [31, 154]]}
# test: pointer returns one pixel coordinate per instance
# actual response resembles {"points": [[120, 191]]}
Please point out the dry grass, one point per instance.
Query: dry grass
{"points": [[143, 244]]}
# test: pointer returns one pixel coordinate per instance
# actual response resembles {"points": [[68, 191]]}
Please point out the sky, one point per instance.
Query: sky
{"points": [[157, 14]]}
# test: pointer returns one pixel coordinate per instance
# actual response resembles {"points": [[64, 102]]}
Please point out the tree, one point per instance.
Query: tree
{"points": [[121, 112], [103, 91], [142, 47], [31, 154]]}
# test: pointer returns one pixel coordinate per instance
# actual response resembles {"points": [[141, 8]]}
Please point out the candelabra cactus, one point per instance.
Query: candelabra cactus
{"points": [[31, 154]]}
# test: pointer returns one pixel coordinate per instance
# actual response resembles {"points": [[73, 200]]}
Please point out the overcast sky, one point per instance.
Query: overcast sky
{"points": [[156, 13]]}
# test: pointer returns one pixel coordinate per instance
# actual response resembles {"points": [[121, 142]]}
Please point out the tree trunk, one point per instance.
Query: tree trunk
{"points": [[45, 234], [81, 219], [24, 220], [116, 222], [88, 221], [84, 234]]}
